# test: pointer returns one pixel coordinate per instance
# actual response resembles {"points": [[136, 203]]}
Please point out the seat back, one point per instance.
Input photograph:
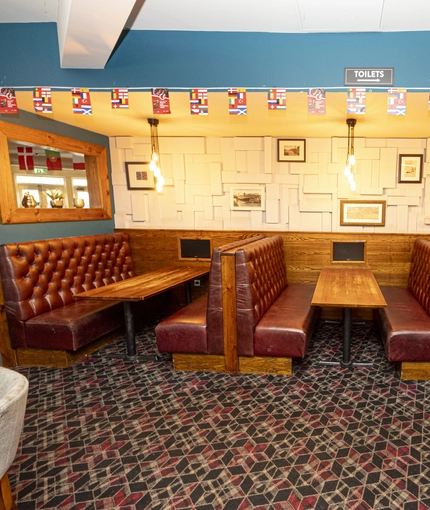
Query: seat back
{"points": [[215, 334], [419, 273], [260, 278]]}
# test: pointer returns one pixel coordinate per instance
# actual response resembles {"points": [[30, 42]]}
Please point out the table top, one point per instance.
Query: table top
{"points": [[348, 287], [144, 286]]}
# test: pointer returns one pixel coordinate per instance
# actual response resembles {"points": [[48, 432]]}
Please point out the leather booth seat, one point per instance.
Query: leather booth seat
{"points": [[40, 278]]}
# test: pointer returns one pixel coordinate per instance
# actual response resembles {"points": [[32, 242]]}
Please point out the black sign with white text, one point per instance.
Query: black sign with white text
{"points": [[369, 76]]}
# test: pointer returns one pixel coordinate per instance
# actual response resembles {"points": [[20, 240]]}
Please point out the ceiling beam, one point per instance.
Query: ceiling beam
{"points": [[88, 31]]}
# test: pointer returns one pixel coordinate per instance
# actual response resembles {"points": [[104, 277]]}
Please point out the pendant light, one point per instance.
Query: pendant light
{"points": [[154, 164], [350, 156]]}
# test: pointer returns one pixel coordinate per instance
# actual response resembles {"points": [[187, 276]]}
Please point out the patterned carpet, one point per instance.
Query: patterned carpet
{"points": [[105, 434]]}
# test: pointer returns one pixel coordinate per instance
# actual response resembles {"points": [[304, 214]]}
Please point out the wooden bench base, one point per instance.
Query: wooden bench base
{"points": [[248, 365], [60, 358], [415, 370]]}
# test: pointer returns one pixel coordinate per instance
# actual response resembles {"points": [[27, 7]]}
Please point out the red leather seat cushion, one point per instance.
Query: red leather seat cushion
{"points": [[276, 336], [185, 330], [404, 326]]}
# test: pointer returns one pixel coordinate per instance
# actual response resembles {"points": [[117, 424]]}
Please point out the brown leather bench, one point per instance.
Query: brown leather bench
{"points": [[405, 323], [39, 280], [194, 334], [275, 321]]}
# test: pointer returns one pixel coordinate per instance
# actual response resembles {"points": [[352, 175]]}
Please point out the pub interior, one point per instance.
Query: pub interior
{"points": [[339, 176]]}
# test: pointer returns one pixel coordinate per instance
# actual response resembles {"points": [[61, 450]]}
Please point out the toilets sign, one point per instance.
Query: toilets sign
{"points": [[369, 76]]}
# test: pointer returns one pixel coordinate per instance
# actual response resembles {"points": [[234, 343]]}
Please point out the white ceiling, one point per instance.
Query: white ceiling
{"points": [[88, 30]]}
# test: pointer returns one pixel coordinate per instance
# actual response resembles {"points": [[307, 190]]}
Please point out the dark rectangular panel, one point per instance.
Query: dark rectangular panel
{"points": [[348, 251], [195, 248]]}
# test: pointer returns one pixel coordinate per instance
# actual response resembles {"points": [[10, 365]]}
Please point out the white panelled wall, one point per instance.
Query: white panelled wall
{"points": [[200, 172]]}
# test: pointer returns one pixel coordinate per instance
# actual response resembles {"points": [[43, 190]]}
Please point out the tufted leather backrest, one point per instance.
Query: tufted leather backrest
{"points": [[260, 279], [215, 334], [419, 273], [38, 276]]}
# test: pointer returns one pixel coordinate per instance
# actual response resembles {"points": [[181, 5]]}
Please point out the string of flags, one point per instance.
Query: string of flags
{"points": [[199, 101]]}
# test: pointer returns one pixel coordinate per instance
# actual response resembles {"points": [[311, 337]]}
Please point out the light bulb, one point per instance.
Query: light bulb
{"points": [[154, 156], [157, 172], [353, 186], [159, 187], [352, 160], [350, 178], [347, 171], [161, 180], [152, 165]]}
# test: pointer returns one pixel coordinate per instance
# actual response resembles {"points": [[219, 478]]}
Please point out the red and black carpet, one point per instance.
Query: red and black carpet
{"points": [[104, 434]]}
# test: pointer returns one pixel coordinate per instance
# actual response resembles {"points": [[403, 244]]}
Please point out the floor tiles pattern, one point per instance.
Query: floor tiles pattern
{"points": [[104, 434]]}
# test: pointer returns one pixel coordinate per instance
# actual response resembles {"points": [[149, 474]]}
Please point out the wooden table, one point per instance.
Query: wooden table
{"points": [[139, 288], [347, 288]]}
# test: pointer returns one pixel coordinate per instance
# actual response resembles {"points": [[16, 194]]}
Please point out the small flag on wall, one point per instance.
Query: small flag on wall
{"points": [[42, 101], [25, 158], [356, 101], [78, 162], [396, 102], [199, 102], [8, 102], [81, 101], [316, 101], [53, 160], [160, 101], [277, 99], [119, 98], [237, 101]]}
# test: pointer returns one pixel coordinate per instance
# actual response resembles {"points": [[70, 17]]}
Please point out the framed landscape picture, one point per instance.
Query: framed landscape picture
{"points": [[410, 167], [292, 150], [247, 198], [139, 176], [362, 213]]}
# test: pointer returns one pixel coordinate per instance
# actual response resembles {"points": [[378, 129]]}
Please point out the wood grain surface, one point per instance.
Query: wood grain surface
{"points": [[348, 287]]}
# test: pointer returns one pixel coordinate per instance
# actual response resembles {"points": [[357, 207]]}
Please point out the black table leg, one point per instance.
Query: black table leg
{"points": [[130, 336]]}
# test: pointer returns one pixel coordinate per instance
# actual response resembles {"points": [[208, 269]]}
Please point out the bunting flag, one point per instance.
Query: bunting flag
{"points": [[199, 101], [396, 102], [316, 101], [78, 162], [53, 160], [237, 101], [42, 100], [25, 158], [8, 102], [356, 101], [160, 101], [81, 101], [119, 98], [277, 99]]}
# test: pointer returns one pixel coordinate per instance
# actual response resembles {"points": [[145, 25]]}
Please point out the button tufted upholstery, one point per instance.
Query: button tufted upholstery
{"points": [[198, 327], [40, 278], [273, 319], [405, 322]]}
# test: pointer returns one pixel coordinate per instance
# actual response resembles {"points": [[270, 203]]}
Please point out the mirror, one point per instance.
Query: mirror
{"points": [[85, 190]]}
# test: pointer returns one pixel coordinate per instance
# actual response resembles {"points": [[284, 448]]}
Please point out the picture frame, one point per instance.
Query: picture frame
{"points": [[139, 176], [411, 168], [247, 198], [292, 150], [362, 213]]}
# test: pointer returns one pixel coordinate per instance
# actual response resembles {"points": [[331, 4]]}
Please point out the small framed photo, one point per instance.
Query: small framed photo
{"points": [[139, 176], [410, 167], [247, 198], [292, 150], [362, 213]]}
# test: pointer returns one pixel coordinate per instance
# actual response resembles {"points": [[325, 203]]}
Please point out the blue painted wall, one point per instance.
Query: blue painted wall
{"points": [[216, 59], [30, 231]]}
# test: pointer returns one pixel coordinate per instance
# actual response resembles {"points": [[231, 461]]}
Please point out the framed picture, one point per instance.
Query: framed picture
{"points": [[292, 150], [362, 213], [247, 198], [410, 167], [139, 176]]}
